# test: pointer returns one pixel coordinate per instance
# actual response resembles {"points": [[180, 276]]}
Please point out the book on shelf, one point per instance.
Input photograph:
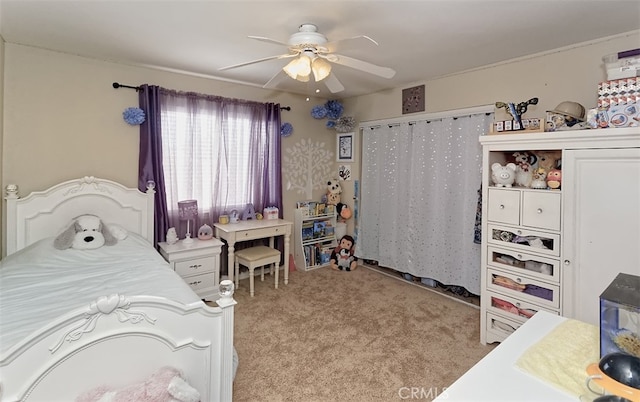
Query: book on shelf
{"points": [[319, 229], [307, 231]]}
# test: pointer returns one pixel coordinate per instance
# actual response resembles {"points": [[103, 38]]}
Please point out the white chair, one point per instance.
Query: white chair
{"points": [[254, 257]]}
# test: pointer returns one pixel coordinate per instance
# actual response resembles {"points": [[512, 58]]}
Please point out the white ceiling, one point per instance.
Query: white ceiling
{"points": [[421, 40]]}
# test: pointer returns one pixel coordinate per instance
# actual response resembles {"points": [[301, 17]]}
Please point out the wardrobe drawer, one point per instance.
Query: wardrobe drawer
{"points": [[503, 206], [536, 266], [524, 288], [524, 239], [499, 328], [541, 209], [517, 309]]}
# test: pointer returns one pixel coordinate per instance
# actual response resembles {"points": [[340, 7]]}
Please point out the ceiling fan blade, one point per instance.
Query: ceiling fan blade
{"points": [[333, 45], [384, 72], [275, 80], [333, 84], [281, 56], [269, 40]]}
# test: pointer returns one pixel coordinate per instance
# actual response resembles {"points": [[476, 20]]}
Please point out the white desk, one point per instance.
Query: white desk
{"points": [[251, 230], [496, 377]]}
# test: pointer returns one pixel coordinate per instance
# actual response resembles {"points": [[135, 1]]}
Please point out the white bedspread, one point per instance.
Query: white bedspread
{"points": [[40, 283]]}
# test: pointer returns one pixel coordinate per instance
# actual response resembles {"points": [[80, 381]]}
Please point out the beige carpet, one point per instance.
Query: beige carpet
{"points": [[350, 336]]}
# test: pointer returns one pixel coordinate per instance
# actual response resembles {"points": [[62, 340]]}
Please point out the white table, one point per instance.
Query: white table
{"points": [[496, 377], [232, 233]]}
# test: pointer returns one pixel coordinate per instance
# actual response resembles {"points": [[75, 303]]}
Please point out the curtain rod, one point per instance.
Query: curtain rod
{"points": [[117, 85]]}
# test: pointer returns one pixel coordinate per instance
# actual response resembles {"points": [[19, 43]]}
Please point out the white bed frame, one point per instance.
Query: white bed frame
{"points": [[116, 340]]}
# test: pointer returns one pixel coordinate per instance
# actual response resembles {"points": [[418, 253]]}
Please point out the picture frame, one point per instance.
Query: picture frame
{"points": [[345, 147]]}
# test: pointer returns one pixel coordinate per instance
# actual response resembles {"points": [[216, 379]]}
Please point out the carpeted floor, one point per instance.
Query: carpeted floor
{"points": [[350, 336]]}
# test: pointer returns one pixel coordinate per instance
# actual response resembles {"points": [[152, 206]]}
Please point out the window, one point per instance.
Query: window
{"points": [[220, 154]]}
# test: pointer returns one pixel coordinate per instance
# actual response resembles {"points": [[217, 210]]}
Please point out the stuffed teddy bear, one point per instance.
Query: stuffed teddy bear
{"points": [[548, 160], [342, 257], [334, 189], [165, 385], [87, 232], [503, 176]]}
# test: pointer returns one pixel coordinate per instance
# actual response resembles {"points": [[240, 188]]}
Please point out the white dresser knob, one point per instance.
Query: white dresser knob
{"points": [[567, 262], [501, 206], [539, 210]]}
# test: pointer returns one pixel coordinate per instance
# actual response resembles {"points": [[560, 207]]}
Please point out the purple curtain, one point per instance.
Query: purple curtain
{"points": [[207, 151], [150, 160]]}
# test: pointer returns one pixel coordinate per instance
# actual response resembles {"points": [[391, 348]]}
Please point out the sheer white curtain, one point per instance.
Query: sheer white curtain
{"points": [[419, 197]]}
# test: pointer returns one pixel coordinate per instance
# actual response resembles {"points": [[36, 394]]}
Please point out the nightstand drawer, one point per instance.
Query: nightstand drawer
{"points": [[195, 266], [199, 282], [504, 206]]}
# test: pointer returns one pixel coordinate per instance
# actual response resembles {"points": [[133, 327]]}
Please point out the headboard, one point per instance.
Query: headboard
{"points": [[46, 213]]}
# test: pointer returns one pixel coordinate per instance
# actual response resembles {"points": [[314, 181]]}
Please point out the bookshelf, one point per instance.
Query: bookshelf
{"points": [[315, 236]]}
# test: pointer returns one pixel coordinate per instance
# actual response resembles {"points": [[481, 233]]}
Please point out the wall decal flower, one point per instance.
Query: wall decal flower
{"points": [[133, 115]]}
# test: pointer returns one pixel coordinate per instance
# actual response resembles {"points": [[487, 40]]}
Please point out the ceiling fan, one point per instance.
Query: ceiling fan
{"points": [[312, 55]]}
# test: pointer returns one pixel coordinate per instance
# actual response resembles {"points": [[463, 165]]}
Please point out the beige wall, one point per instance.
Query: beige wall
{"points": [[570, 73], [63, 119]]}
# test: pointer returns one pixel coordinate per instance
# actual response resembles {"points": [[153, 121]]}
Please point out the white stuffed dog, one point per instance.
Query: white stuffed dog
{"points": [[86, 232]]}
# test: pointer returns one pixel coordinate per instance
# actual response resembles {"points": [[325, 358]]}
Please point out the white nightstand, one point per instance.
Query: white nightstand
{"points": [[197, 263]]}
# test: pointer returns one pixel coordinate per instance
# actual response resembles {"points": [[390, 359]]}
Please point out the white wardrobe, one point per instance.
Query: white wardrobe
{"points": [[587, 231]]}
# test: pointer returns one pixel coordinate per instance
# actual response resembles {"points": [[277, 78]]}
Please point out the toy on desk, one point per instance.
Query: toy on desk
{"points": [[342, 257], [249, 212], [233, 217], [503, 176], [270, 213], [554, 179]]}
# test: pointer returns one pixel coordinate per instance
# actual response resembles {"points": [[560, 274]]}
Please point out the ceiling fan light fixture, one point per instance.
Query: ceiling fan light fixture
{"points": [[321, 69], [299, 68]]}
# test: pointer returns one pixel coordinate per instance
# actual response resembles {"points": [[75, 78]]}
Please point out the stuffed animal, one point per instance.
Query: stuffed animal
{"points": [[539, 180], [524, 168], [342, 257], [554, 178], [548, 159], [165, 385], [503, 176], [344, 212], [86, 232], [334, 189]]}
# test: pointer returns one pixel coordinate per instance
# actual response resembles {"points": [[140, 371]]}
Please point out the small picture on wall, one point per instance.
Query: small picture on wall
{"points": [[345, 147], [344, 172]]}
